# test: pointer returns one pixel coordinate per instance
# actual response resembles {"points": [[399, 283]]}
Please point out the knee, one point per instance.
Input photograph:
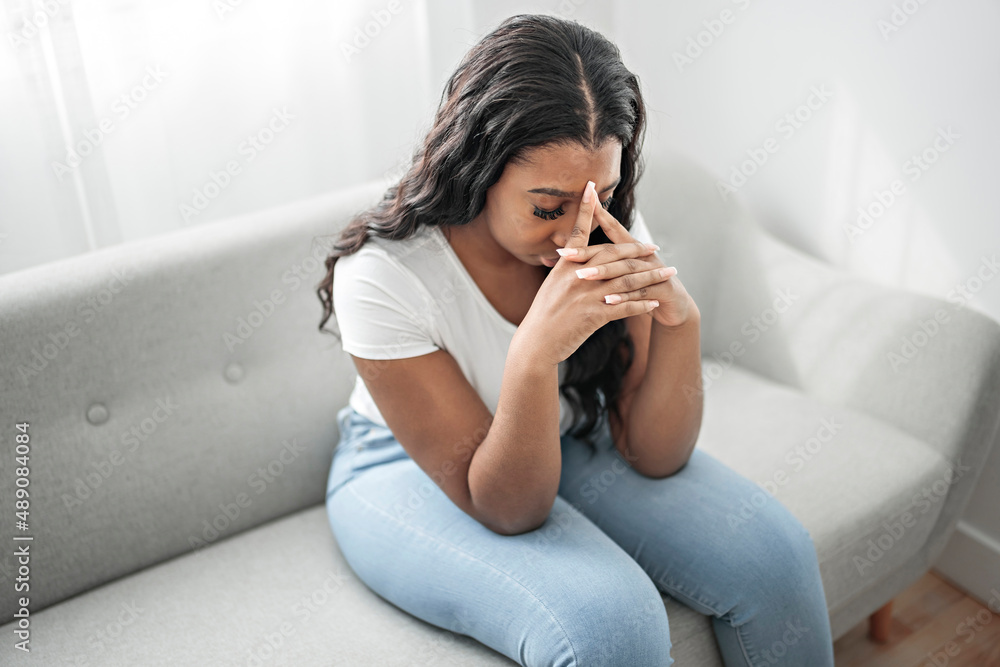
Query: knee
{"points": [[614, 625], [782, 554]]}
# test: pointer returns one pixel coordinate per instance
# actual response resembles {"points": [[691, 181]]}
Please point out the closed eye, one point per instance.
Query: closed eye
{"points": [[555, 213]]}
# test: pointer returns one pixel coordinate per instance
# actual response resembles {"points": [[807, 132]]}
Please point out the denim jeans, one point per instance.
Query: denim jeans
{"points": [[583, 590]]}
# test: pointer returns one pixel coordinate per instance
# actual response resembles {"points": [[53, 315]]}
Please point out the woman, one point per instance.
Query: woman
{"points": [[517, 462]]}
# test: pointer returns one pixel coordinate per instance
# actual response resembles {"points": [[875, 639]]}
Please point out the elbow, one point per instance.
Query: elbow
{"points": [[663, 472], [518, 524], [667, 466], [513, 511], [516, 527]]}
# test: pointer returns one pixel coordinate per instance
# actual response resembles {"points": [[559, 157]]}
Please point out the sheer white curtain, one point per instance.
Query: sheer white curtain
{"points": [[122, 119]]}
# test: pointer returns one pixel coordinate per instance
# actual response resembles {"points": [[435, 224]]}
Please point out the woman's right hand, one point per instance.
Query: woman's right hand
{"points": [[566, 309]]}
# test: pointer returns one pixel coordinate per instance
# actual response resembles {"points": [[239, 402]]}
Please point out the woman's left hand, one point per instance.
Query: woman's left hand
{"points": [[676, 305]]}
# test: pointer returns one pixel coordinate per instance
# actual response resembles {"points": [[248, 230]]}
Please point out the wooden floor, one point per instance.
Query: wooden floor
{"points": [[929, 618]]}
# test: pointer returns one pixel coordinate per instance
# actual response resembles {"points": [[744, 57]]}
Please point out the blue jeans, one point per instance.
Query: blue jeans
{"points": [[583, 590]]}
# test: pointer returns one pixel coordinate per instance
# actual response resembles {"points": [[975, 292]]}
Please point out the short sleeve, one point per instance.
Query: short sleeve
{"points": [[380, 307], [639, 229]]}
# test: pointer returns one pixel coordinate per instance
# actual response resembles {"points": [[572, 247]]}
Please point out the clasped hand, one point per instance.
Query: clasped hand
{"points": [[630, 269]]}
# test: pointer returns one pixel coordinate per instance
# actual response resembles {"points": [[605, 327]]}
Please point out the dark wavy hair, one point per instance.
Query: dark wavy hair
{"points": [[534, 80]]}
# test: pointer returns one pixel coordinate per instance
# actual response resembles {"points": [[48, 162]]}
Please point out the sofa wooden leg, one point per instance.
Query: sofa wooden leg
{"points": [[880, 622]]}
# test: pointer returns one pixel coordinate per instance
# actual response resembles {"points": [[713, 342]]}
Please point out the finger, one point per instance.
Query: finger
{"points": [[630, 308], [610, 260], [611, 250], [636, 285], [642, 291], [625, 274], [580, 236], [614, 230]]}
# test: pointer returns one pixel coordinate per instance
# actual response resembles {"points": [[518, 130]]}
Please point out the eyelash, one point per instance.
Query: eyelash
{"points": [[552, 215]]}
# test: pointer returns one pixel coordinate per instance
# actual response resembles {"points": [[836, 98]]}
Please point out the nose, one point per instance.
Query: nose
{"points": [[562, 236]]}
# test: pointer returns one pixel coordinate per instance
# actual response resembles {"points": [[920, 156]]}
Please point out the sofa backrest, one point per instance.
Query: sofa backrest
{"points": [[698, 230], [177, 391]]}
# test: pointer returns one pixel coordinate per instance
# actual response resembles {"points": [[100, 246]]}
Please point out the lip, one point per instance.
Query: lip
{"points": [[548, 261]]}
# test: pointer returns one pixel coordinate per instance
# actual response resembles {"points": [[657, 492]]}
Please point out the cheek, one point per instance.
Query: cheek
{"points": [[514, 227], [531, 231]]}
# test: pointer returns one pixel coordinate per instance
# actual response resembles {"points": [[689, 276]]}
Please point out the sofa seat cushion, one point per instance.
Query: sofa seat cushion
{"points": [[282, 593], [278, 594], [868, 493]]}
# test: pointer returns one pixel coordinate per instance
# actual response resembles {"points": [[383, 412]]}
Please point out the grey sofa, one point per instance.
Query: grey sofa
{"points": [[181, 408]]}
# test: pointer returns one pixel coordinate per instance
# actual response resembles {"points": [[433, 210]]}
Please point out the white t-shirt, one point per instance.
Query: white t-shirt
{"points": [[404, 298]]}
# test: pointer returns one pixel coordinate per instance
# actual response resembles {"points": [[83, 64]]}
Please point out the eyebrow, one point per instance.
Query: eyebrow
{"points": [[569, 195]]}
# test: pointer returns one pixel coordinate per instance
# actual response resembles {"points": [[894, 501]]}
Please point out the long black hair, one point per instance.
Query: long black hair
{"points": [[534, 80]]}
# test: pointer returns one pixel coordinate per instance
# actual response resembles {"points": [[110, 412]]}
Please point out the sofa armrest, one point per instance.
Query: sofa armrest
{"points": [[929, 366]]}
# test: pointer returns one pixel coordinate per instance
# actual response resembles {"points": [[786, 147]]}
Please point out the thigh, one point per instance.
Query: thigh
{"points": [[690, 531], [565, 594], [715, 541]]}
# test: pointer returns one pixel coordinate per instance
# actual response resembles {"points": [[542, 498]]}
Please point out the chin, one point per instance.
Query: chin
{"points": [[539, 260]]}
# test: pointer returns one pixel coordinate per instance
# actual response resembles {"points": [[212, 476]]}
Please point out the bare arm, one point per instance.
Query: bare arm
{"points": [[666, 410], [514, 474]]}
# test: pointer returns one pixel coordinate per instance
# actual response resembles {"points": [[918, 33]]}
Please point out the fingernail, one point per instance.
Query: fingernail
{"points": [[587, 196], [613, 298], [585, 273], [653, 246], [567, 252], [654, 304]]}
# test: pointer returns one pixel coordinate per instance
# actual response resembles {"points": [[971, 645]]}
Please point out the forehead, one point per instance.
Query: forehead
{"points": [[569, 166]]}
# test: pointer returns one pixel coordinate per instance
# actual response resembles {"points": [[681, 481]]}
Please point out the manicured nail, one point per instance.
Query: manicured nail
{"points": [[654, 304], [568, 252], [587, 196], [613, 298], [653, 246], [586, 273]]}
